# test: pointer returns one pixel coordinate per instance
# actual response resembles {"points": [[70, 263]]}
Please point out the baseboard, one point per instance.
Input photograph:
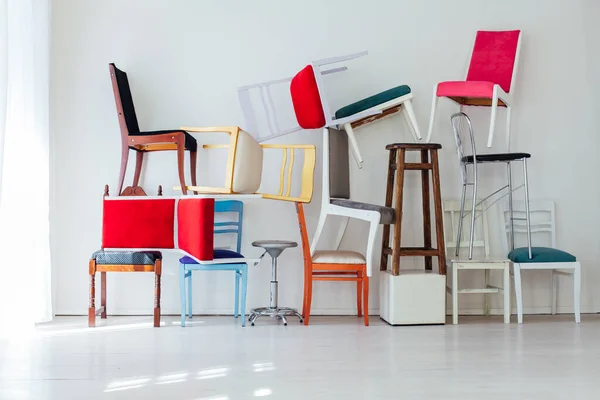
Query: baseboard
{"points": [[335, 311]]}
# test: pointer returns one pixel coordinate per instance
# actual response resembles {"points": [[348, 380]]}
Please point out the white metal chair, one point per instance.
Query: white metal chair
{"points": [[490, 78], [469, 162], [312, 110], [452, 214], [335, 197], [543, 224]]}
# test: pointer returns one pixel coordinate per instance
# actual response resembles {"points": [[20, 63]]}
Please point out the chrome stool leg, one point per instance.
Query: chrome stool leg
{"points": [[273, 310]]}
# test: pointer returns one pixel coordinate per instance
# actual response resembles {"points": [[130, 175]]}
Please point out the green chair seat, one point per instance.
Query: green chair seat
{"points": [[372, 101], [540, 255]]}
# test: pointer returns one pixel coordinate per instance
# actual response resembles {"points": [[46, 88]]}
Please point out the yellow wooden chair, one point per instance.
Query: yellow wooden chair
{"points": [[245, 166]]}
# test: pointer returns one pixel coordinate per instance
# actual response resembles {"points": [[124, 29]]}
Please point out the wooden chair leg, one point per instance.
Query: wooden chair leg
{"points": [[193, 163], [389, 196], [124, 159], [399, 189], [307, 300], [359, 292], [426, 209], [439, 223], [157, 275], [92, 299], [180, 166], [366, 298], [103, 294], [139, 159]]}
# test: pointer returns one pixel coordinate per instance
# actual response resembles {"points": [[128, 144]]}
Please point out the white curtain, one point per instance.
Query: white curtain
{"points": [[25, 273]]}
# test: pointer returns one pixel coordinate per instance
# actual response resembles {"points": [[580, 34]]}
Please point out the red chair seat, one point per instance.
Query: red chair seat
{"points": [[475, 89]]}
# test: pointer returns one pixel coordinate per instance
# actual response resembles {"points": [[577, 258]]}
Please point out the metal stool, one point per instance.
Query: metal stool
{"points": [[274, 248]]}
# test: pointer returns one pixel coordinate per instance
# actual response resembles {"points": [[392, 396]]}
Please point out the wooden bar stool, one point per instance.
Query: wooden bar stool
{"points": [[397, 163]]}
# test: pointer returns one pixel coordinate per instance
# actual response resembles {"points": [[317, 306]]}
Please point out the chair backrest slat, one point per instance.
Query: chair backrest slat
{"points": [[451, 216], [230, 206], [542, 222]]}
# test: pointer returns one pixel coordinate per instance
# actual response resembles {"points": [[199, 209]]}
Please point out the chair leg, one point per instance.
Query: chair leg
{"points": [[511, 221], [373, 226], [124, 159], [139, 159], [189, 292], [399, 189], [92, 298], [553, 291], [518, 292], [320, 226], [236, 307], [366, 299], [193, 163], [434, 103], [426, 209], [493, 119], [460, 220], [182, 292], [103, 294], [307, 300], [180, 166], [414, 125], [473, 207], [506, 290], [437, 204], [508, 112], [454, 294], [359, 292], [389, 194], [353, 144], [486, 296], [157, 276], [527, 215], [244, 291], [577, 293]]}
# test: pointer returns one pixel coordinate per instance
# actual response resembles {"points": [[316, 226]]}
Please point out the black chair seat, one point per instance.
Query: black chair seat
{"points": [[190, 141], [497, 157], [388, 214], [126, 257]]}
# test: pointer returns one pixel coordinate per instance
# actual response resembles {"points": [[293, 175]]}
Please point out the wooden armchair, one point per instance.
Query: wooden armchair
{"points": [[143, 142]]}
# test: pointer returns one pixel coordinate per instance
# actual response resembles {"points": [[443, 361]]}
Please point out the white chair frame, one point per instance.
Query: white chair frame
{"points": [[373, 217], [497, 94], [486, 264], [571, 269], [343, 123]]}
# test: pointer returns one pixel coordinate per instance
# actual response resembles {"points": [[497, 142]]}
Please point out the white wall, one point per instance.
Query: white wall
{"points": [[186, 58]]}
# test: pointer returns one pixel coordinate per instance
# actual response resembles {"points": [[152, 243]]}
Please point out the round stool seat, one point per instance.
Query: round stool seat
{"points": [[274, 247]]}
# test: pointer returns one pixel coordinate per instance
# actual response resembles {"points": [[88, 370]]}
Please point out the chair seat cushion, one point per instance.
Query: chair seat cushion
{"points": [[338, 257], [475, 89], [387, 213], [540, 255], [126, 257], [372, 101], [497, 157], [218, 253], [190, 141]]}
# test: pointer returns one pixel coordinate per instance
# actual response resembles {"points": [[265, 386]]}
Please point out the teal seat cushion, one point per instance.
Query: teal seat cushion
{"points": [[372, 101], [540, 255]]}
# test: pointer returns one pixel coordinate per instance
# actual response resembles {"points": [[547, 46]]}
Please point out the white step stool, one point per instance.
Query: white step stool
{"points": [[415, 297]]}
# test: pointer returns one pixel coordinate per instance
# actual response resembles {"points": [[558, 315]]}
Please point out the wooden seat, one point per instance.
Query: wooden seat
{"points": [[395, 189]]}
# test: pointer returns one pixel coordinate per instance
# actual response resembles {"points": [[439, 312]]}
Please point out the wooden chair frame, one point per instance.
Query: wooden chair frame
{"points": [[285, 173], [331, 272], [142, 144], [104, 268]]}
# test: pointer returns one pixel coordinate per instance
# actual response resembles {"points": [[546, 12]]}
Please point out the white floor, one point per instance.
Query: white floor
{"points": [[548, 357]]}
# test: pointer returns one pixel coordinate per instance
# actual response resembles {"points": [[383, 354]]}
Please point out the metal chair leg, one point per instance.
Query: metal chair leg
{"points": [[527, 207], [460, 220]]}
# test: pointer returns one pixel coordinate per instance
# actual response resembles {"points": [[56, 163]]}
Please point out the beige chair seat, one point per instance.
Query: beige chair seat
{"points": [[338, 257]]}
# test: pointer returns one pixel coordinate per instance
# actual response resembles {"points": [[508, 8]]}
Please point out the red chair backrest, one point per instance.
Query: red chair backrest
{"points": [[306, 99], [493, 57]]}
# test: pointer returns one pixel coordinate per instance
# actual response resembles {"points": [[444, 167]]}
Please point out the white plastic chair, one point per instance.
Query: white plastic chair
{"points": [[543, 224], [490, 79], [312, 110], [452, 215]]}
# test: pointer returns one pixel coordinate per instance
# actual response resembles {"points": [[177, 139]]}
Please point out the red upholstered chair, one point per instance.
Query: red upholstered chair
{"points": [[312, 110], [490, 78]]}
